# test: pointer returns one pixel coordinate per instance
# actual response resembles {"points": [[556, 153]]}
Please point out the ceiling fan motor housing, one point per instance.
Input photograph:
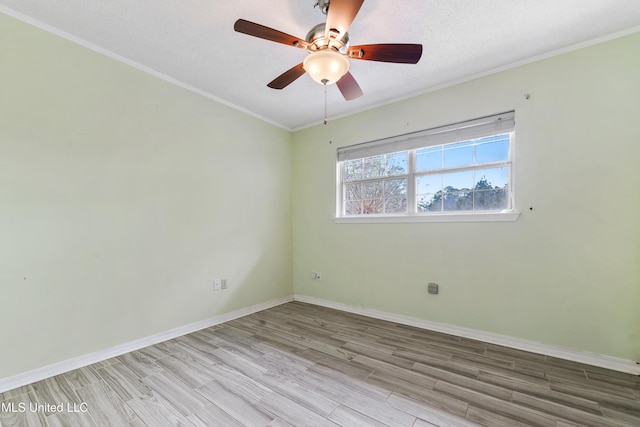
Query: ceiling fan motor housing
{"points": [[317, 40]]}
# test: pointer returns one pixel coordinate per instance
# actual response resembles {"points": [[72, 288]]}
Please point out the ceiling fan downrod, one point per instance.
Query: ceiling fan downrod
{"points": [[323, 5]]}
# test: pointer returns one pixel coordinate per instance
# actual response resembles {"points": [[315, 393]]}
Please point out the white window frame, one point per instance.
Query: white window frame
{"points": [[503, 123]]}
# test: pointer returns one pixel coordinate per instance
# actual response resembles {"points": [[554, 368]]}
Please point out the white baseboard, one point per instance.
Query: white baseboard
{"points": [[49, 371], [593, 359]]}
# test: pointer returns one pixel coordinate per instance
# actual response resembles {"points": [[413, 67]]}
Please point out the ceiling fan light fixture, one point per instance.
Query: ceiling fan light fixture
{"points": [[326, 66]]}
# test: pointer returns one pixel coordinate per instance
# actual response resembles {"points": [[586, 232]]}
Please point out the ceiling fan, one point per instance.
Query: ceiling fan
{"points": [[329, 50]]}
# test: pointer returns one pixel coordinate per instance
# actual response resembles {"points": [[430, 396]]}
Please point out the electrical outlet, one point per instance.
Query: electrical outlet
{"points": [[316, 275], [217, 284], [223, 284]]}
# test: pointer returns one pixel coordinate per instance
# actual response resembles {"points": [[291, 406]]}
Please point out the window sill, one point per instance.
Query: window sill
{"points": [[452, 217]]}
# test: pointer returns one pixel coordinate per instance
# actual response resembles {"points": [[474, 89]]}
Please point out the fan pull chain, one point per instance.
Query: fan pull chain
{"points": [[324, 82]]}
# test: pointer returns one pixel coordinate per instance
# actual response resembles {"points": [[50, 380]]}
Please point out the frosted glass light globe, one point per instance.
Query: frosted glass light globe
{"points": [[326, 66]]}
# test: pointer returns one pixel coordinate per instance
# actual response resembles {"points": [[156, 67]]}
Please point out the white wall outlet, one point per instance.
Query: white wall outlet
{"points": [[223, 284], [316, 275], [217, 284]]}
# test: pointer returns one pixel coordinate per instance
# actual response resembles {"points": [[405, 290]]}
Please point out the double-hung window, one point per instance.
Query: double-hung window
{"points": [[462, 170]]}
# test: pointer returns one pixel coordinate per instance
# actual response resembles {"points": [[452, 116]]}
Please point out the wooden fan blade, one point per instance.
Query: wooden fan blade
{"points": [[286, 78], [340, 16], [349, 87], [257, 30], [400, 53]]}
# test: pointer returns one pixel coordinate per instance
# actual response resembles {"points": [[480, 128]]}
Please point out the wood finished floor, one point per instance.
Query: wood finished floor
{"points": [[304, 365]]}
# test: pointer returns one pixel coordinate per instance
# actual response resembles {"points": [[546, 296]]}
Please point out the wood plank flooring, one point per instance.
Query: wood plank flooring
{"points": [[303, 365]]}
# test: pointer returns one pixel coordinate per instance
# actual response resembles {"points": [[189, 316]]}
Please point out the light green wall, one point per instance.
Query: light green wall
{"points": [[121, 198], [565, 273]]}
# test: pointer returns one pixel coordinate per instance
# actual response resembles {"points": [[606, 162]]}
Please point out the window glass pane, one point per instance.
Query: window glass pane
{"points": [[352, 169], [352, 199], [395, 195], [492, 149], [491, 189], [459, 154], [352, 191], [397, 163], [372, 190], [372, 206], [353, 207], [496, 199], [395, 187], [457, 201], [428, 184], [395, 205], [373, 167], [430, 202], [429, 158], [491, 178], [458, 181]]}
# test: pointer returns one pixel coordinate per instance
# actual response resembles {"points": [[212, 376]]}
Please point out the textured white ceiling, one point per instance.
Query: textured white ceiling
{"points": [[193, 42]]}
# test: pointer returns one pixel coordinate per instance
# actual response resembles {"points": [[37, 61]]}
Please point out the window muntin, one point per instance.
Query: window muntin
{"points": [[462, 176]]}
